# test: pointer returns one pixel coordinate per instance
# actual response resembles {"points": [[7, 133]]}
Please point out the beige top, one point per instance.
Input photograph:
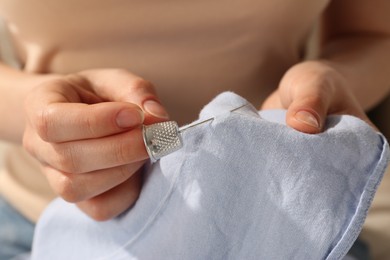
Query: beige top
{"points": [[190, 50]]}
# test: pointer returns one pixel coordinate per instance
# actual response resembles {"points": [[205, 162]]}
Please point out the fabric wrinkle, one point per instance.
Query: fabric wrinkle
{"points": [[244, 186]]}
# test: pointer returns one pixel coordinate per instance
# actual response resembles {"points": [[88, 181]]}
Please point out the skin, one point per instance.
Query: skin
{"points": [[97, 161]]}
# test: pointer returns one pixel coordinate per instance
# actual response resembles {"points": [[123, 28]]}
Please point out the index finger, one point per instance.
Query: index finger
{"points": [[57, 117]]}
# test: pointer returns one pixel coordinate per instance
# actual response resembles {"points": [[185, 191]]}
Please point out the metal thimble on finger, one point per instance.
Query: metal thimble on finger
{"points": [[165, 138], [162, 139]]}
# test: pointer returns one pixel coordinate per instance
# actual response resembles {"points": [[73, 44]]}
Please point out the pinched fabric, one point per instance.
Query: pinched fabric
{"points": [[244, 186]]}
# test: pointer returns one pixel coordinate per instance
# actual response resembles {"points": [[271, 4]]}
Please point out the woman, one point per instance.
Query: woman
{"points": [[79, 119]]}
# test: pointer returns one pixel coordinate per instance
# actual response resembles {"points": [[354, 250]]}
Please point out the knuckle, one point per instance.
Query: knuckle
{"points": [[90, 125], [43, 122], [123, 153], [66, 188], [316, 99], [27, 142], [125, 172], [140, 84], [73, 79], [325, 79], [65, 159]]}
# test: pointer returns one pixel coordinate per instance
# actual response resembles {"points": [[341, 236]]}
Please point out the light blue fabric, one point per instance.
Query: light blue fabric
{"points": [[242, 187]]}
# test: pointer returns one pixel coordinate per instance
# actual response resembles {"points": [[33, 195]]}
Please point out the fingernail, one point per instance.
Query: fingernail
{"points": [[307, 118], [156, 109], [129, 118]]}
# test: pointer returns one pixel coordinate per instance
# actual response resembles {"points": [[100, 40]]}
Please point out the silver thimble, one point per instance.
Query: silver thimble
{"points": [[162, 139]]}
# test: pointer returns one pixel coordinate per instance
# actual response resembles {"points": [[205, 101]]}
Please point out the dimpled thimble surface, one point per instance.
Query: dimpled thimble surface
{"points": [[161, 139]]}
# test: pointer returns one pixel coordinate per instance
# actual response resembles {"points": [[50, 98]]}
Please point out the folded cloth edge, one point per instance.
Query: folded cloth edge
{"points": [[356, 224]]}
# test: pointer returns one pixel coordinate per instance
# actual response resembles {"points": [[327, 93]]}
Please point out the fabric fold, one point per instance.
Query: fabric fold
{"points": [[244, 186]]}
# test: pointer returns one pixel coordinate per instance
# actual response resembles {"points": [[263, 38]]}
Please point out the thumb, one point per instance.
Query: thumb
{"points": [[311, 90], [308, 100], [121, 85]]}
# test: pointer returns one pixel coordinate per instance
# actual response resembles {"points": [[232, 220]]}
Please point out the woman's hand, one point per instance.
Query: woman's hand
{"points": [[310, 91], [85, 130]]}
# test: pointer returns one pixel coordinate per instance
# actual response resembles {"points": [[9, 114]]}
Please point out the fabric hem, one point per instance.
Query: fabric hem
{"points": [[350, 235]]}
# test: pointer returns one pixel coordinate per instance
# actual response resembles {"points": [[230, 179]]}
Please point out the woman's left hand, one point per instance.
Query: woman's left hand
{"points": [[310, 91]]}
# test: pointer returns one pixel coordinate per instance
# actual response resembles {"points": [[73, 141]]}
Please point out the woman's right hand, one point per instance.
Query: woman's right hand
{"points": [[85, 130]]}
